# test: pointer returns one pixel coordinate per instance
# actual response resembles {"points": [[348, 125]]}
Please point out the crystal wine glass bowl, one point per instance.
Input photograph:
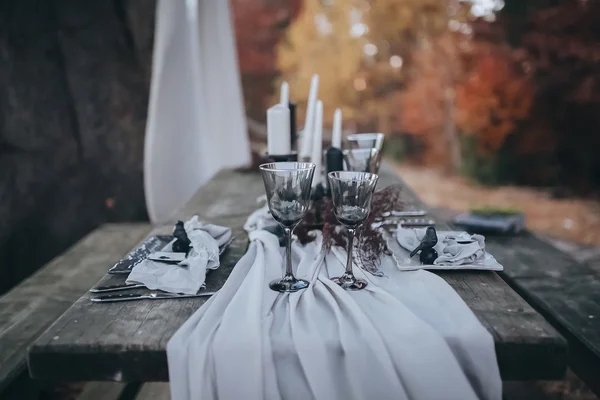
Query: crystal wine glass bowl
{"points": [[362, 160], [288, 186], [351, 193], [365, 141]]}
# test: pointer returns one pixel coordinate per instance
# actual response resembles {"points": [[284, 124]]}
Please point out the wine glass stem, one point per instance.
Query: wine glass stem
{"points": [[350, 246], [288, 252]]}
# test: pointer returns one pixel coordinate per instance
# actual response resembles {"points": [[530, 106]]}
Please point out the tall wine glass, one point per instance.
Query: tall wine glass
{"points": [[288, 185], [351, 193], [362, 160], [365, 141]]}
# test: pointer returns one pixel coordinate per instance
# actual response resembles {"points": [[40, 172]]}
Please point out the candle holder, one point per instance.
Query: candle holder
{"points": [[317, 197], [291, 157]]}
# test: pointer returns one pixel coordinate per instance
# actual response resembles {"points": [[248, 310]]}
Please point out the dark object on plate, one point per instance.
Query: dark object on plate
{"points": [[429, 240], [182, 244], [428, 256]]}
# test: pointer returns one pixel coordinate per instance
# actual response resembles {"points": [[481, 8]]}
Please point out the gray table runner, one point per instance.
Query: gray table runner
{"points": [[407, 336]]}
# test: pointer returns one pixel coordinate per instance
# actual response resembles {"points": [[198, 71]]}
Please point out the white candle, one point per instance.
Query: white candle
{"points": [[317, 149], [336, 137], [278, 130], [309, 123], [284, 94]]}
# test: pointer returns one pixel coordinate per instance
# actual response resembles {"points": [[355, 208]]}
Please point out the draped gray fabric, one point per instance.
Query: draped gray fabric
{"points": [[196, 119], [408, 335]]}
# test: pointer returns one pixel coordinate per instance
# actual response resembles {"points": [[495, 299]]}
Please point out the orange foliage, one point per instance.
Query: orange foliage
{"points": [[426, 105], [494, 98], [460, 86], [259, 26]]}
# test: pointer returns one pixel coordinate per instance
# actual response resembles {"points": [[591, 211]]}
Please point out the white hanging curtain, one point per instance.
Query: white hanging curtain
{"points": [[196, 119]]}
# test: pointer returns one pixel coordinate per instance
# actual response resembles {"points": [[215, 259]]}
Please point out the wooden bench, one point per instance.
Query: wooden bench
{"points": [[564, 291], [30, 307], [122, 391]]}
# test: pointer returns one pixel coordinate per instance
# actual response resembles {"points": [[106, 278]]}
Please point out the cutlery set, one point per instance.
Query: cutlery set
{"points": [[153, 295], [408, 218], [151, 248]]}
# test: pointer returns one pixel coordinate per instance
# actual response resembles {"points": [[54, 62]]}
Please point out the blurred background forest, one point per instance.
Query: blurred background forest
{"points": [[473, 95]]}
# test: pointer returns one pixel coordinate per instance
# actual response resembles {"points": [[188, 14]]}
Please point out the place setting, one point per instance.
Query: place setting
{"points": [[168, 266]]}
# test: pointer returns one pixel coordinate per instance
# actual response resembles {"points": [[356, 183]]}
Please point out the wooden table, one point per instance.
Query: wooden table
{"points": [[126, 341]]}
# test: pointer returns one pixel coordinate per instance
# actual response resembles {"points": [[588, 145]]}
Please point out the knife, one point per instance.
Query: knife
{"points": [[408, 213], [114, 288], [150, 296], [416, 222]]}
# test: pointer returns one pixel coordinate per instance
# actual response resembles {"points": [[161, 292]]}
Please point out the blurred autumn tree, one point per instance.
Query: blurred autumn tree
{"points": [[427, 105], [563, 46], [319, 42], [494, 98], [546, 87], [503, 89], [259, 26], [358, 49]]}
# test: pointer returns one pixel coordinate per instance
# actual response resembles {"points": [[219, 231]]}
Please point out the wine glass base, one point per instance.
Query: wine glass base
{"points": [[355, 284], [288, 285]]}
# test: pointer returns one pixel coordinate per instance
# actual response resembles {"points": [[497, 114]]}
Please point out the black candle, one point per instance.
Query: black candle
{"points": [[292, 107], [334, 159], [292, 157]]}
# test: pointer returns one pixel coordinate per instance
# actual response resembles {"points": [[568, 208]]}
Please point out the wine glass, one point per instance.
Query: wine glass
{"points": [[365, 141], [362, 160], [351, 193], [288, 186]]}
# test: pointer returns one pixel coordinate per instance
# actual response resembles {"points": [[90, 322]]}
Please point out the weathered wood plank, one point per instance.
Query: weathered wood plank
{"points": [[565, 291], [154, 391], [102, 391], [126, 341], [227, 194], [28, 309]]}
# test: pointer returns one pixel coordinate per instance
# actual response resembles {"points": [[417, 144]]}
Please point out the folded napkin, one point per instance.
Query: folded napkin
{"points": [[408, 335], [456, 250], [189, 275]]}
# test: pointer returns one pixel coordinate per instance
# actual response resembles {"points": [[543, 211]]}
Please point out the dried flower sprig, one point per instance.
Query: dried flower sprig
{"points": [[370, 244]]}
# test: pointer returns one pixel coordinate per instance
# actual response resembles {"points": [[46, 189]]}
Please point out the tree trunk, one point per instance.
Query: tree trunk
{"points": [[75, 76]]}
